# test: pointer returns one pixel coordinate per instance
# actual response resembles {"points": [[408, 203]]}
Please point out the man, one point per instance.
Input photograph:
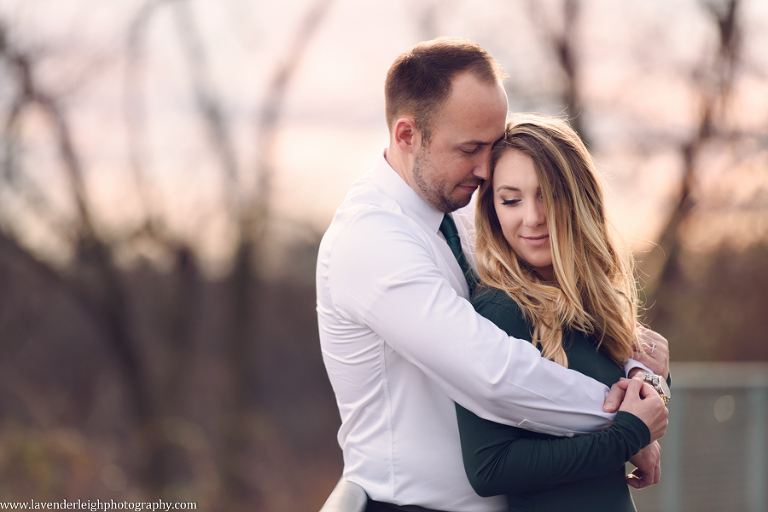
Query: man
{"points": [[400, 340]]}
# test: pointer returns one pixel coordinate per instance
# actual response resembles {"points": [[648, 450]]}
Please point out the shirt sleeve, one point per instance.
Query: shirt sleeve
{"points": [[631, 364], [385, 274], [500, 459]]}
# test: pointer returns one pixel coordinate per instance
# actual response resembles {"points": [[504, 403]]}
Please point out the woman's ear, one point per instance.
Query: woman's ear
{"points": [[407, 136]]}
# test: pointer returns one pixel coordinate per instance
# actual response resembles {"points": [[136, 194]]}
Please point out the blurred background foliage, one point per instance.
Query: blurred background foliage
{"points": [[167, 169]]}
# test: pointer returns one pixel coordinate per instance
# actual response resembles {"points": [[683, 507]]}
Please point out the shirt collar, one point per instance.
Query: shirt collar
{"points": [[413, 206]]}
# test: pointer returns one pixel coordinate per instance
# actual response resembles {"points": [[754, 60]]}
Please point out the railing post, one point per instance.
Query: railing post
{"points": [[757, 476], [671, 455]]}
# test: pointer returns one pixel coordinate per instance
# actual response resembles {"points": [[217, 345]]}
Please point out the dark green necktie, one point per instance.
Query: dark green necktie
{"points": [[448, 229]]}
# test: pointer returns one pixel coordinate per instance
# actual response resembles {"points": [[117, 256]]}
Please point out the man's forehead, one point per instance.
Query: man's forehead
{"points": [[480, 129], [475, 111]]}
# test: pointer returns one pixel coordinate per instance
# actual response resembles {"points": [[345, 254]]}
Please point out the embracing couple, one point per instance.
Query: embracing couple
{"points": [[490, 360]]}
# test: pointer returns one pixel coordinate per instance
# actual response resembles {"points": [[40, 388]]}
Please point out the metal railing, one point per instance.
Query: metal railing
{"points": [[714, 456]]}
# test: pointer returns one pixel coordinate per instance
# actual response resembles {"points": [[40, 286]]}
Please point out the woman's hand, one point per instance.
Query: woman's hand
{"points": [[639, 398], [644, 402], [654, 352]]}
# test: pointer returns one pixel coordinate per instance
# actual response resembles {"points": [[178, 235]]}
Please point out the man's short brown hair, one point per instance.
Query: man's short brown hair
{"points": [[419, 81]]}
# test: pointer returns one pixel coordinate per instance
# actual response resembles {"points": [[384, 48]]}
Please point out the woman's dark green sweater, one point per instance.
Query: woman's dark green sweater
{"points": [[540, 472]]}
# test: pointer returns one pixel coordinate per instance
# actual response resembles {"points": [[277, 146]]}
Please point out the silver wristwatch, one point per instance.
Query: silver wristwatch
{"points": [[660, 385]]}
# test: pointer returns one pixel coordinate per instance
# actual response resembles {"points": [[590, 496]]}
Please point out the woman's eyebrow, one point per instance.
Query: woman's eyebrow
{"points": [[507, 187]]}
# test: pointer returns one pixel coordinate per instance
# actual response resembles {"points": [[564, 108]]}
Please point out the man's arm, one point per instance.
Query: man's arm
{"points": [[386, 276]]}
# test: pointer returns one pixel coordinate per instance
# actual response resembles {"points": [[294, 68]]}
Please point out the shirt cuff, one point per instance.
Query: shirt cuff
{"points": [[633, 363]]}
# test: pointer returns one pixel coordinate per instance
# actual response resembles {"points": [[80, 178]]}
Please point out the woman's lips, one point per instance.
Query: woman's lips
{"points": [[536, 241]]}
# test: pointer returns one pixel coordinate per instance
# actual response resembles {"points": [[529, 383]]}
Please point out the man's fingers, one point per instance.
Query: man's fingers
{"points": [[647, 470], [635, 481], [640, 480], [652, 349]]}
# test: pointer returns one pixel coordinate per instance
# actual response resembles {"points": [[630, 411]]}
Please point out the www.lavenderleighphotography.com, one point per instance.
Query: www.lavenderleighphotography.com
{"points": [[95, 505]]}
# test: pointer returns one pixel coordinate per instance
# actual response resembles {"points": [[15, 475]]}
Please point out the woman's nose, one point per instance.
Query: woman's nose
{"points": [[535, 214]]}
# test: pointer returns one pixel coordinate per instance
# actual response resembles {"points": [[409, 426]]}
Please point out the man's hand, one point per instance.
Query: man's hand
{"points": [[647, 464], [655, 351]]}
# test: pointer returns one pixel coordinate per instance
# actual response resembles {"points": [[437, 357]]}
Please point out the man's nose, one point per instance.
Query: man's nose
{"points": [[482, 170]]}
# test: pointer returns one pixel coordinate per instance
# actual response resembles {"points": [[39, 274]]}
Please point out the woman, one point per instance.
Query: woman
{"points": [[553, 274]]}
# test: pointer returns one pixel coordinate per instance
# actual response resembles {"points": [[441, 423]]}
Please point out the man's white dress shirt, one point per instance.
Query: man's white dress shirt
{"points": [[401, 343]]}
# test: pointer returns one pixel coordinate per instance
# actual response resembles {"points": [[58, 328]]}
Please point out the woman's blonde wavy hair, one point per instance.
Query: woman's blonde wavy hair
{"points": [[594, 290]]}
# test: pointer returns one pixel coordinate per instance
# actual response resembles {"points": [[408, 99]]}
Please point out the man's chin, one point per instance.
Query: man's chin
{"points": [[454, 203], [463, 198]]}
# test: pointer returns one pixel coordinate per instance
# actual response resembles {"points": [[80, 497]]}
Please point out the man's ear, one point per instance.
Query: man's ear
{"points": [[407, 136]]}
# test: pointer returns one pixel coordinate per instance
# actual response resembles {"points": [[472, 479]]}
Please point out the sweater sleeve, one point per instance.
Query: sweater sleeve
{"points": [[501, 459]]}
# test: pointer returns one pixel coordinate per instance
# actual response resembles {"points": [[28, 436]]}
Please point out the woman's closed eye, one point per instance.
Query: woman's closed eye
{"points": [[510, 202]]}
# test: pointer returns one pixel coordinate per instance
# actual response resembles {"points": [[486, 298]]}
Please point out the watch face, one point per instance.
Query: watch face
{"points": [[659, 384], [664, 387]]}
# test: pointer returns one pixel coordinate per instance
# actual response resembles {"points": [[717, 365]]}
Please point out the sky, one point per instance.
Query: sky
{"points": [[332, 128]]}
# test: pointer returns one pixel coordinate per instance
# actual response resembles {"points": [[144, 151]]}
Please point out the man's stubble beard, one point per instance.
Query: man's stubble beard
{"points": [[428, 189]]}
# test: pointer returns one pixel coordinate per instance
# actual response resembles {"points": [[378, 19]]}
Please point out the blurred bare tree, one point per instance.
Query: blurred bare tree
{"points": [[712, 80], [559, 32], [712, 301], [153, 342]]}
